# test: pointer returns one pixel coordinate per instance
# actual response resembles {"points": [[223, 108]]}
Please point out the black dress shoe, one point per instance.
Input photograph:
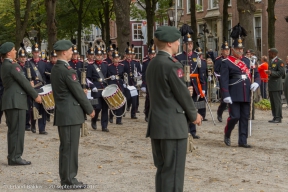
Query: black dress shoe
{"points": [[244, 145], [134, 117], [196, 137], [119, 123], [219, 117], [272, 121], [105, 129], [28, 129], [277, 121], [33, 130], [43, 133], [227, 141], [74, 187], [111, 120], [93, 125], [19, 162], [205, 119], [128, 109]]}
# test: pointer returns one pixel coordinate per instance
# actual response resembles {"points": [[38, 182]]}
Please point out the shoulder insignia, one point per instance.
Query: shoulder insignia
{"points": [[180, 73], [218, 57], [179, 53], [282, 65], [121, 64], [145, 60], [74, 77], [276, 60], [224, 59], [68, 66], [109, 64], [18, 69], [104, 61], [173, 59]]}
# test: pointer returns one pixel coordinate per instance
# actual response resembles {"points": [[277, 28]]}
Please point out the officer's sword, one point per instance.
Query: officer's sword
{"points": [[210, 111]]}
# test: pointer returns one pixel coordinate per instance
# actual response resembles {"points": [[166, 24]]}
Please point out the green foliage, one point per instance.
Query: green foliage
{"points": [[264, 104]]}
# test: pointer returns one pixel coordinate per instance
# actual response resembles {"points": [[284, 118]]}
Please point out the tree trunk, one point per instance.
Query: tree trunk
{"points": [[21, 25], [106, 31], [122, 10], [225, 20], [150, 15], [246, 10], [50, 22], [79, 27], [193, 22], [271, 23]]}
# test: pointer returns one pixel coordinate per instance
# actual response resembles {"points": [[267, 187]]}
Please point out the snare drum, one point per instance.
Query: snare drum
{"points": [[47, 97], [113, 97]]}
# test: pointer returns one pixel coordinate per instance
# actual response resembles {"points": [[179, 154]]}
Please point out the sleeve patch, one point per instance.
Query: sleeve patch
{"points": [[74, 77], [18, 69], [180, 73]]}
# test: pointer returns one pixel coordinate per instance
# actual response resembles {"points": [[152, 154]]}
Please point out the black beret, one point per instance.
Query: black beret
{"points": [[62, 45], [6, 47], [167, 34]]}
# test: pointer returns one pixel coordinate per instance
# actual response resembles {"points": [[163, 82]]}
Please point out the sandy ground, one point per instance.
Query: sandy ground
{"points": [[121, 160]]}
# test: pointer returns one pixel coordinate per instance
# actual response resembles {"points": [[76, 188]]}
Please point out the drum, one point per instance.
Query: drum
{"points": [[113, 97], [47, 97]]}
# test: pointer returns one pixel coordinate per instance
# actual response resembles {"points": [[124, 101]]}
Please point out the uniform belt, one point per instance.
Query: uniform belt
{"points": [[243, 76]]}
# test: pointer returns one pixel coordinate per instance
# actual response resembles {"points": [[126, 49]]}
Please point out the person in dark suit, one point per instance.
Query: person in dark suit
{"points": [[97, 73], [275, 72], [71, 105], [236, 89], [171, 106], [225, 52], [16, 89], [38, 68]]}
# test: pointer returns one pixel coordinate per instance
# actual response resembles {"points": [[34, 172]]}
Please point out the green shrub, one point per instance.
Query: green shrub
{"points": [[264, 104]]}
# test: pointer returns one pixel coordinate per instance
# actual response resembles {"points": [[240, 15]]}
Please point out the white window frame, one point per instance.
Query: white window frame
{"points": [[180, 3], [254, 26], [139, 54], [140, 32], [188, 7], [210, 3], [198, 4]]}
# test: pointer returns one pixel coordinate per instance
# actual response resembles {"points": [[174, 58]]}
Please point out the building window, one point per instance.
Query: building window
{"points": [[199, 5], [138, 51], [213, 4], [229, 4], [136, 31], [188, 6], [258, 34], [180, 4]]}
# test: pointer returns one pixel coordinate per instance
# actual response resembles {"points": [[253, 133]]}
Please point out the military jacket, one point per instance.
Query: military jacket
{"points": [[108, 60], [217, 64], [129, 67], [41, 67], [16, 86], [144, 68], [235, 83], [170, 103], [117, 71], [76, 65], [71, 102], [277, 68], [95, 78]]}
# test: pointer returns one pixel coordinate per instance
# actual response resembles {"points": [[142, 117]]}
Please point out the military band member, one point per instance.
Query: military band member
{"points": [[195, 68], [171, 107], [151, 55], [139, 76], [38, 68], [115, 74], [131, 67], [71, 105], [97, 73], [275, 73], [236, 85], [17, 87], [225, 52], [110, 50], [75, 63], [104, 52]]}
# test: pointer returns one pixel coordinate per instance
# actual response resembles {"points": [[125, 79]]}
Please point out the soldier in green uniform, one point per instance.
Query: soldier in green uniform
{"points": [[71, 105], [171, 107], [16, 89], [275, 71]]}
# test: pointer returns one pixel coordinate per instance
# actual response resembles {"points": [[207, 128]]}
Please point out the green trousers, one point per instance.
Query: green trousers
{"points": [[169, 157], [68, 153], [276, 104], [16, 120]]}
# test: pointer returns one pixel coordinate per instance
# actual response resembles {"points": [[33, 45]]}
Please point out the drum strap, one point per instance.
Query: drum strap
{"points": [[36, 71], [99, 72]]}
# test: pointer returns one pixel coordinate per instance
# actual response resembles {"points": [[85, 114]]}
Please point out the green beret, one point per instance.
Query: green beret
{"points": [[274, 50], [167, 34], [6, 47], [62, 45]]}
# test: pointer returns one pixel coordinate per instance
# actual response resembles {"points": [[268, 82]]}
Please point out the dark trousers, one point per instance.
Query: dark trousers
{"points": [[263, 89], [192, 126], [169, 157], [131, 101], [147, 104], [117, 112], [276, 104], [137, 103], [221, 108], [41, 121], [68, 153], [238, 111], [103, 108], [202, 111], [15, 119]]}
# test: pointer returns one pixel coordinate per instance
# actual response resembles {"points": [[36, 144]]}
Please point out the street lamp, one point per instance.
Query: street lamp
{"points": [[32, 34], [175, 16]]}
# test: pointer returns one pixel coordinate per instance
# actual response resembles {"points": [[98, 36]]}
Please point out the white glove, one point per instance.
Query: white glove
{"points": [[227, 100], [135, 74], [94, 89], [143, 89], [209, 78], [254, 86], [112, 77], [203, 92], [124, 85]]}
